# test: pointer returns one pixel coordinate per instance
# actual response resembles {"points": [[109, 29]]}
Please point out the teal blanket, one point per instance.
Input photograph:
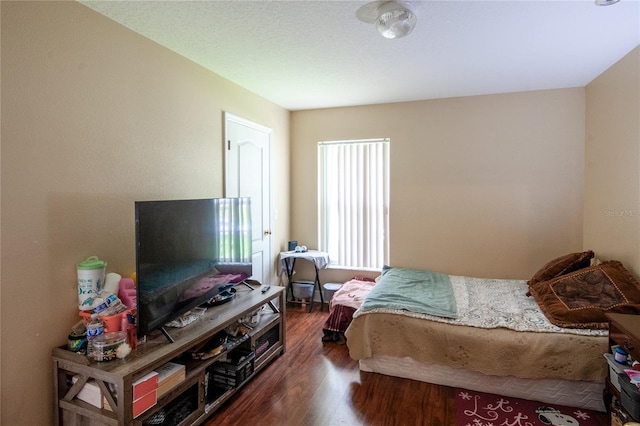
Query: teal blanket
{"points": [[412, 290]]}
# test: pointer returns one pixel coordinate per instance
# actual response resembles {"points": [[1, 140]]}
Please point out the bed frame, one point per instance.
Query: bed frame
{"points": [[581, 394]]}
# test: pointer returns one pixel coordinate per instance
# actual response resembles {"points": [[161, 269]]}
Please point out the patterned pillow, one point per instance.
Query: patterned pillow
{"points": [[581, 298], [562, 265]]}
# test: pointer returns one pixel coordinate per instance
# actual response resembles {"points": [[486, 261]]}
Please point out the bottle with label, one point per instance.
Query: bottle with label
{"points": [[132, 334], [94, 329]]}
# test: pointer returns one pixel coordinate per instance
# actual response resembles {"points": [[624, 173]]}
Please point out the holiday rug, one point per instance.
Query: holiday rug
{"points": [[484, 409]]}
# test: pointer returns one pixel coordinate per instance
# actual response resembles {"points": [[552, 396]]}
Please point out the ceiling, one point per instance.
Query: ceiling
{"points": [[309, 54]]}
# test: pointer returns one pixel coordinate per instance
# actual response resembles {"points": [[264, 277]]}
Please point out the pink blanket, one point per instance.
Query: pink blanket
{"points": [[345, 301]]}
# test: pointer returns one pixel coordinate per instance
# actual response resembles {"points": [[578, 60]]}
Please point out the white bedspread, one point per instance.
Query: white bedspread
{"points": [[496, 304]]}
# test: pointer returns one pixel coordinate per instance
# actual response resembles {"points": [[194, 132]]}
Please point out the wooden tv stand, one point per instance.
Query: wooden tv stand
{"points": [[266, 340]]}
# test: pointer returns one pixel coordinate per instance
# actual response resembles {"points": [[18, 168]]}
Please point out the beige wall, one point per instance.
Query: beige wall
{"points": [[612, 163], [486, 186], [94, 117]]}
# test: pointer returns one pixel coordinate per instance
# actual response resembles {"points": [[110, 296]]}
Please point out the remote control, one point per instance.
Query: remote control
{"points": [[265, 288]]}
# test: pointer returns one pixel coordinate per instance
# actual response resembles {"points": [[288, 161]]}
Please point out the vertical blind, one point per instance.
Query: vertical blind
{"points": [[354, 202]]}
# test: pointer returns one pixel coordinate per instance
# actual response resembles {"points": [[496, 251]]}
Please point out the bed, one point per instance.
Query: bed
{"points": [[541, 339]]}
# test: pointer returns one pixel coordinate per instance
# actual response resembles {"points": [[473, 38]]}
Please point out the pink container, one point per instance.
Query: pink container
{"points": [[111, 323]]}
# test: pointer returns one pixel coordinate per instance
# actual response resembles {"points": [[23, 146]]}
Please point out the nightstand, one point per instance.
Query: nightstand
{"points": [[624, 330]]}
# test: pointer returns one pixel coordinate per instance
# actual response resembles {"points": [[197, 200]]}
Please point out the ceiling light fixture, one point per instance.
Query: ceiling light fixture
{"points": [[606, 2], [393, 19]]}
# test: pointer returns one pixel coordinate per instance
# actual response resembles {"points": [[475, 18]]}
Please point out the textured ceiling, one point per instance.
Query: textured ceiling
{"points": [[309, 54]]}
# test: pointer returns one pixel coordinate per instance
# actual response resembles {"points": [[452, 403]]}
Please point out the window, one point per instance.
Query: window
{"points": [[232, 225], [353, 188]]}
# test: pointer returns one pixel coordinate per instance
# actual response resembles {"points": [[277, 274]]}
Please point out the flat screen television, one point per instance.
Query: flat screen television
{"points": [[185, 251]]}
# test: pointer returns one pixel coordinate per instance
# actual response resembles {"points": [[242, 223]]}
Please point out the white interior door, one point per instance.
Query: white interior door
{"points": [[247, 174]]}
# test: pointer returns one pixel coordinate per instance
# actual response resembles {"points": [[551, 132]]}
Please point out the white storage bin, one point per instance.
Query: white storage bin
{"points": [[329, 289], [303, 289]]}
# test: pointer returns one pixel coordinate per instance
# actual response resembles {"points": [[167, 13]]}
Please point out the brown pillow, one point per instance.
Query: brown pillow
{"points": [[562, 265], [581, 298]]}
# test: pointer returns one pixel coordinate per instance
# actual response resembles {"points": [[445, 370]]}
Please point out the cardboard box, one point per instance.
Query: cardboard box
{"points": [[170, 375], [145, 385], [105, 404], [168, 385], [90, 393]]}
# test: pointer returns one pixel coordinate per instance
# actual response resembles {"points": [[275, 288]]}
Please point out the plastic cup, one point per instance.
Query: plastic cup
{"points": [[91, 274]]}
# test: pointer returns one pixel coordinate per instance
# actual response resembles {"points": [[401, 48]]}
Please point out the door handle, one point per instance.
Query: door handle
{"points": [[267, 232]]}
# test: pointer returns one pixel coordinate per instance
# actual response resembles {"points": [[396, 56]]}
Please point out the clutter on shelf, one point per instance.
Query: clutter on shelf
{"points": [[107, 304], [186, 318]]}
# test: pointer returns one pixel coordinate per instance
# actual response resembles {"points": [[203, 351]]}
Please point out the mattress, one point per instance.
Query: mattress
{"points": [[499, 333]]}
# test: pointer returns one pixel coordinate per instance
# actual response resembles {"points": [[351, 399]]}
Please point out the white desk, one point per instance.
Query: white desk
{"points": [[319, 259]]}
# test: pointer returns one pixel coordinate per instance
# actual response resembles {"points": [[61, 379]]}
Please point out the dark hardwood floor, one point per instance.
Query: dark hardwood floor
{"points": [[316, 383]]}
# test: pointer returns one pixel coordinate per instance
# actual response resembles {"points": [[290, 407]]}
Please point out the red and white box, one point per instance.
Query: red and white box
{"points": [[145, 393], [143, 403], [145, 384]]}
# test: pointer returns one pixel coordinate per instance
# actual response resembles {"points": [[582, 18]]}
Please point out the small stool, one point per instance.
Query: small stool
{"points": [[329, 289]]}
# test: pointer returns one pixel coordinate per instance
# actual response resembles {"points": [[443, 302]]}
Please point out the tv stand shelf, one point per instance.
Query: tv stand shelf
{"points": [[266, 341]]}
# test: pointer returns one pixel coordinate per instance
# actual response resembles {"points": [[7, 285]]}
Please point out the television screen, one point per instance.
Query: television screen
{"points": [[186, 250]]}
